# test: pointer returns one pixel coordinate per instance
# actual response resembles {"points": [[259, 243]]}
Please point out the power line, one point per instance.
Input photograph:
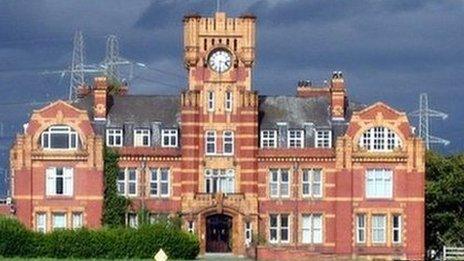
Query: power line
{"points": [[24, 103]]}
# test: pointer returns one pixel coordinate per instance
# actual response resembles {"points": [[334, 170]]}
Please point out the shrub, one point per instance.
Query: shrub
{"points": [[15, 239], [145, 242]]}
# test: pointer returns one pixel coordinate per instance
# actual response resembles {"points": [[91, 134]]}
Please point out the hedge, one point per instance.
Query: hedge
{"points": [[112, 243]]}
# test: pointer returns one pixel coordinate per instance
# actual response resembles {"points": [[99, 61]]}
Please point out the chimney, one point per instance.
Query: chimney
{"points": [[338, 98], [306, 89], [83, 91], [100, 92]]}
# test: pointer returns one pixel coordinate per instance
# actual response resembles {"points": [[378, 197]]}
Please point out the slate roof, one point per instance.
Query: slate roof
{"points": [[295, 111], [141, 110], [144, 110]]}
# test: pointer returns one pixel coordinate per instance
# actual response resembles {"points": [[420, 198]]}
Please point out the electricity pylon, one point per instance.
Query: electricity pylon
{"points": [[425, 113], [77, 69], [113, 60]]}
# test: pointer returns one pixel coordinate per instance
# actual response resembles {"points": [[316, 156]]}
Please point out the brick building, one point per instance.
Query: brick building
{"points": [[309, 176]]}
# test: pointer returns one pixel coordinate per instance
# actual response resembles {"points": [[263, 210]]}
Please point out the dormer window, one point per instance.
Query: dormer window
{"points": [[268, 139], [169, 138], [59, 138], [323, 139], [114, 138], [379, 139], [141, 138], [295, 139]]}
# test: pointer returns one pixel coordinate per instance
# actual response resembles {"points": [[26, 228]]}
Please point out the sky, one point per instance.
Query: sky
{"points": [[389, 51]]}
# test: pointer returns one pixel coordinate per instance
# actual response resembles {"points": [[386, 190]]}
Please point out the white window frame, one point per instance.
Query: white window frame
{"points": [[361, 228], [211, 134], [268, 139], [139, 135], [279, 185], [67, 176], [315, 231], [54, 215], [219, 180], [172, 138], [228, 101], [115, 134], [397, 229], [77, 220], [127, 182], [228, 139], [210, 101], [380, 139], [311, 183], [41, 222], [295, 139], [46, 137], [379, 183], [382, 229], [323, 139], [248, 233], [159, 182], [132, 220], [279, 228]]}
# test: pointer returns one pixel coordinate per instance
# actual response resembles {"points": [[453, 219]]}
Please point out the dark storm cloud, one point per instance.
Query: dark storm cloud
{"points": [[389, 50]]}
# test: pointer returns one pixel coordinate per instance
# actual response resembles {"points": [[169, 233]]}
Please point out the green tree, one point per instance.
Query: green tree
{"points": [[444, 200], [114, 205]]}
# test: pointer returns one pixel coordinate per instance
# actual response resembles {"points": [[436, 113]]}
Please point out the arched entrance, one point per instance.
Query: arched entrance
{"points": [[218, 233]]}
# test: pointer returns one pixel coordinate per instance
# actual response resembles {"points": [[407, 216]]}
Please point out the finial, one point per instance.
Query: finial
{"points": [[218, 5]]}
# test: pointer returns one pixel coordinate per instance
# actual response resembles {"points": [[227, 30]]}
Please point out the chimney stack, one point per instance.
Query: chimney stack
{"points": [[338, 96], [100, 103]]}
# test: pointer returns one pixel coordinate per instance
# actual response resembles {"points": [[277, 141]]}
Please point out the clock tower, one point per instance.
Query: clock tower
{"points": [[219, 132]]}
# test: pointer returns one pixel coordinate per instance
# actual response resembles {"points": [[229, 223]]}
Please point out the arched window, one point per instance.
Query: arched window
{"points": [[60, 137], [379, 139]]}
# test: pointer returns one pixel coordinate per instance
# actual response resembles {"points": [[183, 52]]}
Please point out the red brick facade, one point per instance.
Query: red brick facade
{"points": [[353, 152]]}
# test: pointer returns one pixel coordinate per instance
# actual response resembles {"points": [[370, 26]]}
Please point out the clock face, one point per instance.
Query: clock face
{"points": [[220, 60]]}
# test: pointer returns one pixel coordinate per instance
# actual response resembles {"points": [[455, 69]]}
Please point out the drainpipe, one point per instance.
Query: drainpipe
{"points": [[296, 167], [143, 173]]}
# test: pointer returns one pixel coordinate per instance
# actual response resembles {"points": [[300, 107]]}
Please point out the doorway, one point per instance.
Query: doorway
{"points": [[218, 233]]}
